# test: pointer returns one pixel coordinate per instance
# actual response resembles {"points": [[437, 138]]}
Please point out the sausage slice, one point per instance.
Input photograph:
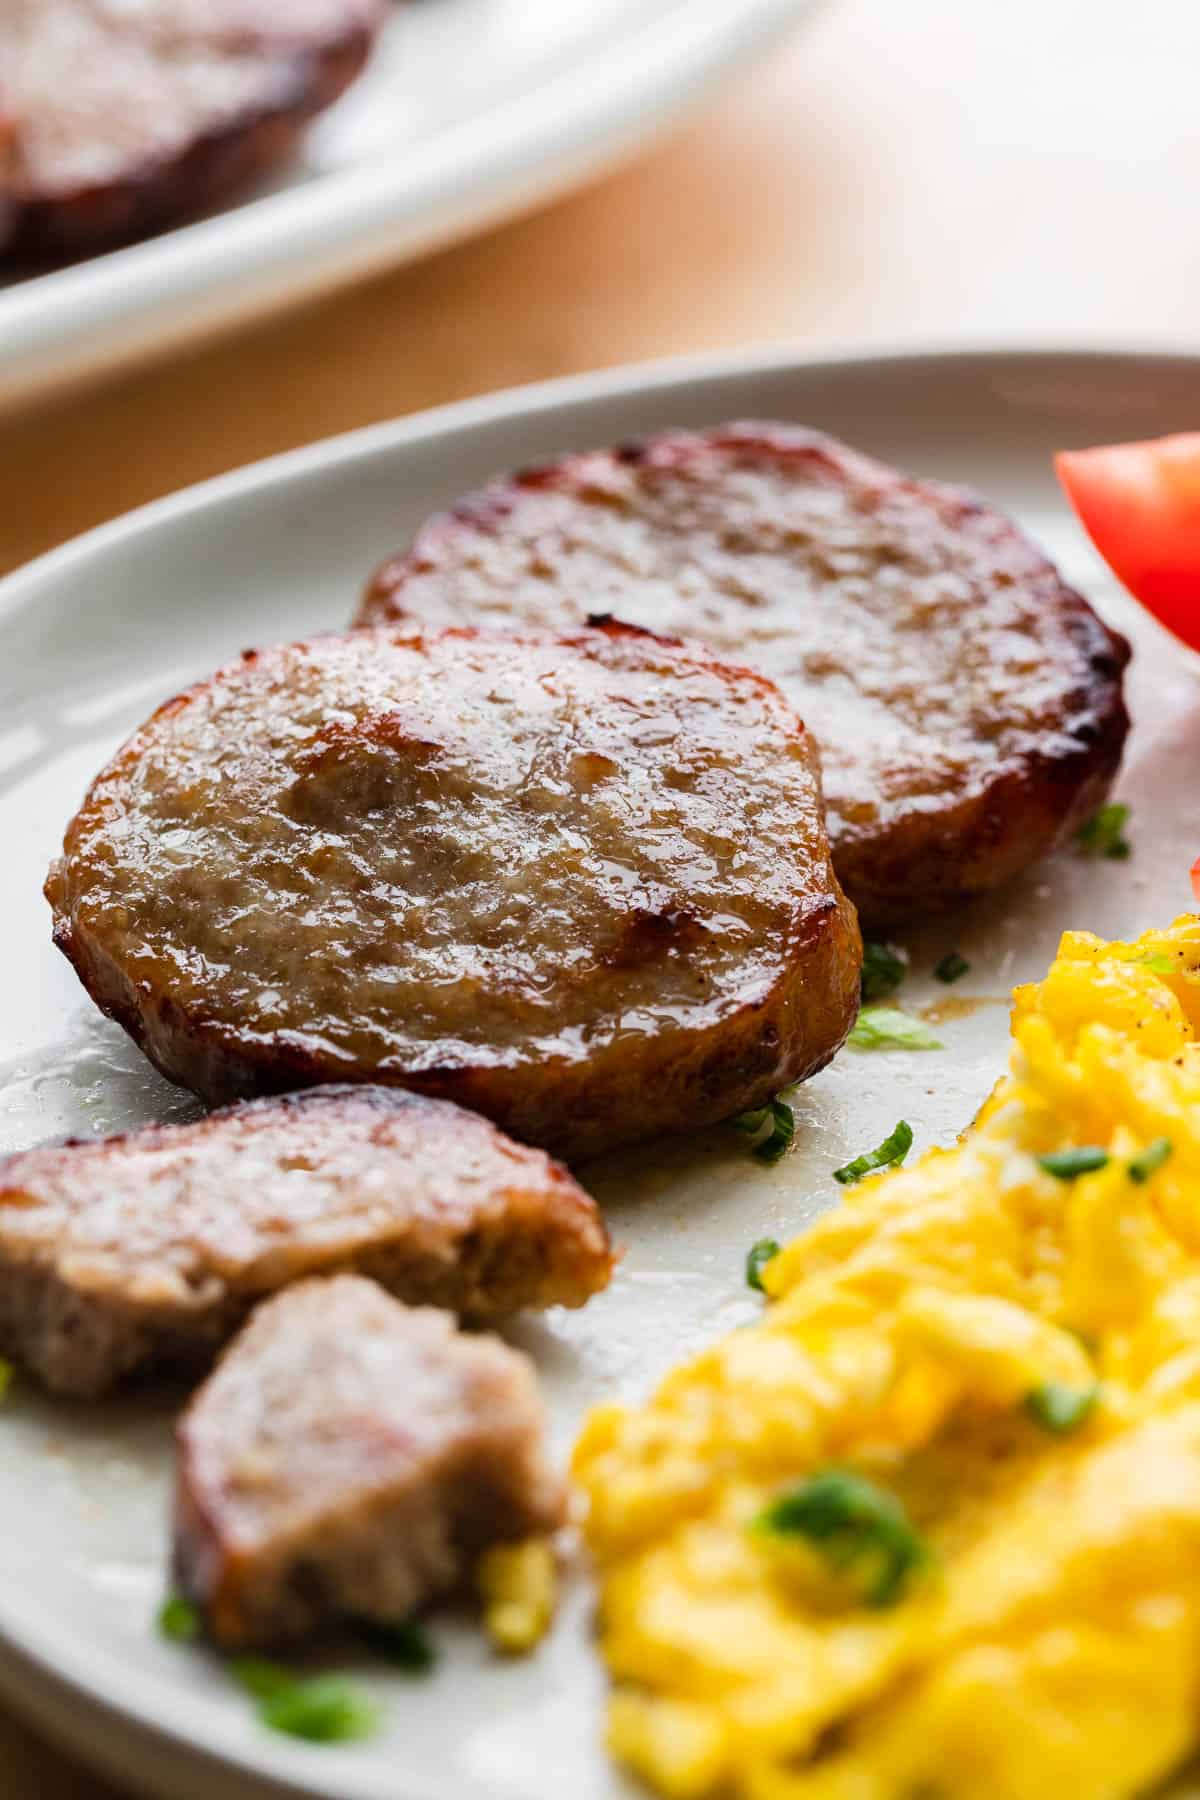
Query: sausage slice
{"points": [[579, 883], [122, 1254], [351, 1457], [121, 117], [967, 702]]}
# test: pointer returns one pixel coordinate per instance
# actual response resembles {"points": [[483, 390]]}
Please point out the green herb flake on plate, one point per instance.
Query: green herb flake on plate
{"points": [[887, 1028], [890, 1154]]}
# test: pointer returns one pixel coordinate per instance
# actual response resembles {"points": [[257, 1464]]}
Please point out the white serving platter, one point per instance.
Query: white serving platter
{"points": [[470, 111], [97, 633]]}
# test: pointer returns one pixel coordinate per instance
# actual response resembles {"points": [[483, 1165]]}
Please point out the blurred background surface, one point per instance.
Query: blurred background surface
{"points": [[899, 171]]}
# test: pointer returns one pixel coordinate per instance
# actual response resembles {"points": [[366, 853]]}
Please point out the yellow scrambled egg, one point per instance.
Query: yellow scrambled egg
{"points": [[518, 1584], [931, 1530]]}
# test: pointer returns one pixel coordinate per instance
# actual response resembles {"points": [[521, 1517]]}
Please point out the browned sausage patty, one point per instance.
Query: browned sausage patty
{"points": [[151, 1248], [967, 702], [579, 883], [350, 1456], [125, 116]]}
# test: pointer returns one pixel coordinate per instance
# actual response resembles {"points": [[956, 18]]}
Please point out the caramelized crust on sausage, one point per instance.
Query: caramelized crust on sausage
{"points": [[126, 1253], [579, 883], [967, 702]]}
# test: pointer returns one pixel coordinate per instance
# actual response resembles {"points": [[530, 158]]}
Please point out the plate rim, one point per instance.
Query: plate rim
{"points": [[256, 256], [156, 1724], [658, 375]]}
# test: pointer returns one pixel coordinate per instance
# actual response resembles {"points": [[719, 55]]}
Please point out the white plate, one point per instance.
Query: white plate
{"points": [[94, 635], [470, 111]]}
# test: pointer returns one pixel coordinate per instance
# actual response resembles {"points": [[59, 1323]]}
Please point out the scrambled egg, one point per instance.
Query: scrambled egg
{"points": [[518, 1584], [931, 1529]]}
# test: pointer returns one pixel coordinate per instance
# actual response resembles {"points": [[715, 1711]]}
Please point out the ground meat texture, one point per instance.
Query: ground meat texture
{"points": [[967, 702], [351, 1457], [121, 117], [150, 1249], [579, 883]]}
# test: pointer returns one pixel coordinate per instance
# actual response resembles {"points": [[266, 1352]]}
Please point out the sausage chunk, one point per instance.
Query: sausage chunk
{"points": [[351, 1457], [120, 1255], [967, 702], [121, 117], [579, 883]]}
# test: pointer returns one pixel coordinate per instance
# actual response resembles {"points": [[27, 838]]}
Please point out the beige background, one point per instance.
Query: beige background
{"points": [[904, 171]]}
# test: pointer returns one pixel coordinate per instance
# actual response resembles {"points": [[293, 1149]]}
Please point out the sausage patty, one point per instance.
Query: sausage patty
{"points": [[121, 117], [967, 702], [350, 1456], [579, 883], [151, 1248]]}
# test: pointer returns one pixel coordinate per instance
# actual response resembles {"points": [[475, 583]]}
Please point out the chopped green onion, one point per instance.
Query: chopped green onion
{"points": [[1143, 1166], [757, 1258], [856, 1525], [1103, 833], [1059, 1408], [324, 1709], [771, 1143], [886, 1028], [890, 1153], [783, 1130], [260, 1678], [1162, 965], [179, 1619], [404, 1643], [952, 967], [883, 969], [1068, 1165]]}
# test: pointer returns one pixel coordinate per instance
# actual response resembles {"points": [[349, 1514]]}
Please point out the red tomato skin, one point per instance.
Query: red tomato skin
{"points": [[1140, 505], [1196, 878]]}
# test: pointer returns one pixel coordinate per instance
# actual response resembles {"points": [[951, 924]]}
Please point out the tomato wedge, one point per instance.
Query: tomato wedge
{"points": [[1140, 505], [1196, 878]]}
